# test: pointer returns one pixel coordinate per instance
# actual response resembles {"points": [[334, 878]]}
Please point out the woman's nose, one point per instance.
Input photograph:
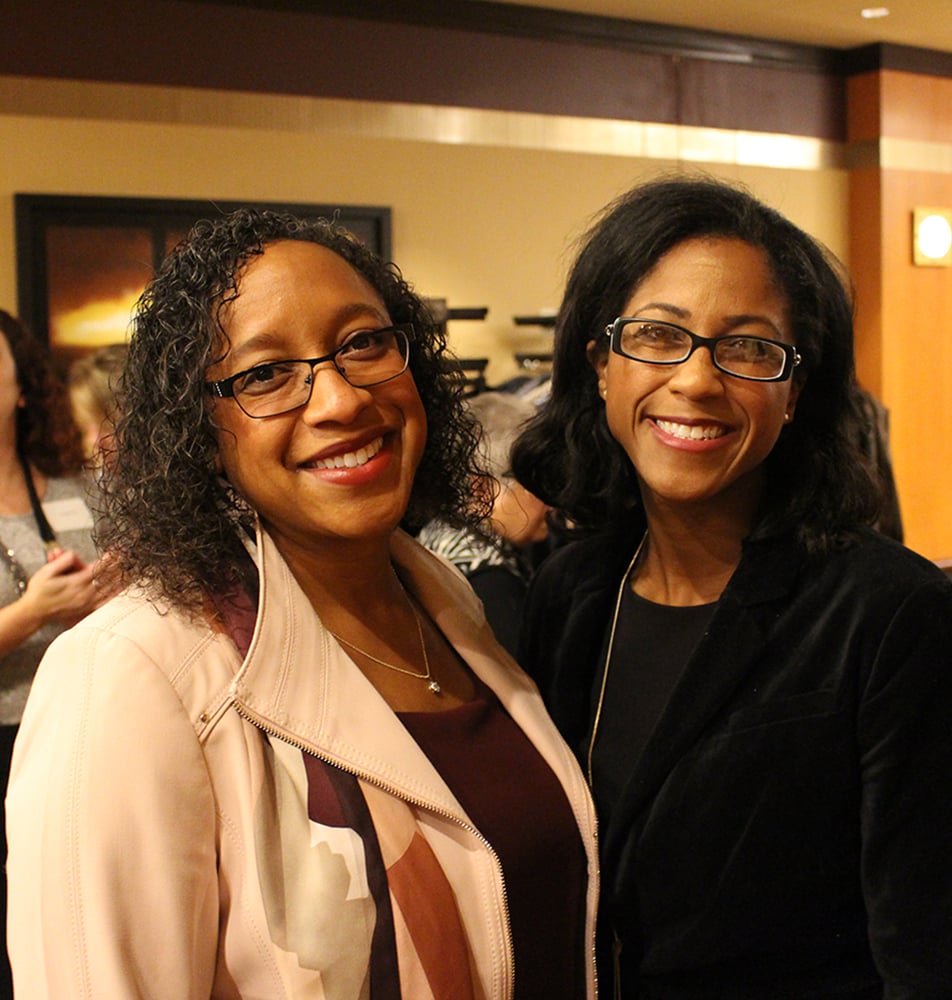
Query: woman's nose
{"points": [[697, 375], [333, 397]]}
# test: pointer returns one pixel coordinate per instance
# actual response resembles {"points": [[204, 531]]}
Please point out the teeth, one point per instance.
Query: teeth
{"points": [[351, 459], [691, 432]]}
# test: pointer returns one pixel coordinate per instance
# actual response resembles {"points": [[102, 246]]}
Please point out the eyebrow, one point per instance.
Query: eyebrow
{"points": [[739, 319], [272, 338]]}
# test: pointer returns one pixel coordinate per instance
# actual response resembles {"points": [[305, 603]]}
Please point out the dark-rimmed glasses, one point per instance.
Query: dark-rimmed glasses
{"points": [[659, 343], [366, 358]]}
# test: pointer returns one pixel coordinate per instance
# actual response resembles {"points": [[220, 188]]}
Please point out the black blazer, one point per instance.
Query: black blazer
{"points": [[787, 831]]}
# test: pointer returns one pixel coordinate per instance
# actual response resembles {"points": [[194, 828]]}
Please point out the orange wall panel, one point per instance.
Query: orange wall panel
{"points": [[863, 99], [904, 312], [866, 269], [916, 344], [916, 107]]}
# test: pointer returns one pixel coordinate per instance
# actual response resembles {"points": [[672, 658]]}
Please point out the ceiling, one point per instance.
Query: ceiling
{"points": [[836, 24]]}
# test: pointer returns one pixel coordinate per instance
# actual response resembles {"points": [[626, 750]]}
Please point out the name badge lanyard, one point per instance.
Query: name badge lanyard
{"points": [[43, 525]]}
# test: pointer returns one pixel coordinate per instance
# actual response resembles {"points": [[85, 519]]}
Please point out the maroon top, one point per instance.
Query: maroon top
{"points": [[516, 802]]}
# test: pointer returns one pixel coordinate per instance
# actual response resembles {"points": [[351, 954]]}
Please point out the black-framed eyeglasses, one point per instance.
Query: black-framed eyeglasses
{"points": [[659, 343], [366, 358]]}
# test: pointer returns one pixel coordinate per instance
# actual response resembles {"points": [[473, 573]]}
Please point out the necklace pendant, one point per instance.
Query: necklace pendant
{"points": [[434, 686]]}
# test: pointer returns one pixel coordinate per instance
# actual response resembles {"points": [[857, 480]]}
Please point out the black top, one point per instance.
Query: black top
{"points": [[651, 648]]}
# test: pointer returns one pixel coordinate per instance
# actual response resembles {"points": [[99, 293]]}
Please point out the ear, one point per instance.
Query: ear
{"points": [[598, 359], [795, 389]]}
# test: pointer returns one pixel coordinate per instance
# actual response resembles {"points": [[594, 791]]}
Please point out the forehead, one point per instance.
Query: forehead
{"points": [[732, 263], [296, 288], [297, 270]]}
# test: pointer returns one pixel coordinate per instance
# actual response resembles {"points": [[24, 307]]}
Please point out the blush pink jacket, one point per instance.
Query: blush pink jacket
{"points": [[159, 839]]}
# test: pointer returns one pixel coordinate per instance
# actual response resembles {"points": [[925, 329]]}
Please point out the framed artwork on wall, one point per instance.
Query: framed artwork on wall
{"points": [[82, 262]]}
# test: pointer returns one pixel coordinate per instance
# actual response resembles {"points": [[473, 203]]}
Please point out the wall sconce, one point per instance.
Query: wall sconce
{"points": [[932, 237]]}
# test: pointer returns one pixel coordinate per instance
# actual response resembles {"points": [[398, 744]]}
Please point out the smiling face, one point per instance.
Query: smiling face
{"points": [[342, 466], [694, 434]]}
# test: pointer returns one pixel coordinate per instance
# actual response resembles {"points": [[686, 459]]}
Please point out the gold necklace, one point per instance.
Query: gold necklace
{"points": [[608, 656], [434, 684]]}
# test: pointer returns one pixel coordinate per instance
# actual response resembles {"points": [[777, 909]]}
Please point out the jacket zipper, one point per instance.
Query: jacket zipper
{"points": [[435, 810]]}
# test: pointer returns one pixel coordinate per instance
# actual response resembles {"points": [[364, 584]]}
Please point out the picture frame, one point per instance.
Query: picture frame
{"points": [[83, 261]]}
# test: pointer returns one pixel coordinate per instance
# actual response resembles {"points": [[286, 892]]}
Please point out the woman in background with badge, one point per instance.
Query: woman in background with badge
{"points": [[47, 556]]}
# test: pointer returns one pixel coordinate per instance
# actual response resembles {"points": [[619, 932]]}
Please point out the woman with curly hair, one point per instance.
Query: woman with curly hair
{"points": [[758, 684], [291, 760], [46, 546]]}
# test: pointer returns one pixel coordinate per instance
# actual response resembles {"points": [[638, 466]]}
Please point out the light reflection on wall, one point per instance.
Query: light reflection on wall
{"points": [[95, 274], [95, 324]]}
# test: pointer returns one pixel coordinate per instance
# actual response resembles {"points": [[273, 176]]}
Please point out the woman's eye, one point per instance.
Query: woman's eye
{"points": [[367, 342], [650, 334], [263, 378], [748, 348]]}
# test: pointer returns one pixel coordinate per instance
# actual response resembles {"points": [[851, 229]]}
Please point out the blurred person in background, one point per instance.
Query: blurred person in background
{"points": [[498, 561], [46, 547], [93, 384]]}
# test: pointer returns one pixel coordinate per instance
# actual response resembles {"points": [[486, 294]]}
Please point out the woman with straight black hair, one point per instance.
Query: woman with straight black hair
{"points": [[757, 683]]}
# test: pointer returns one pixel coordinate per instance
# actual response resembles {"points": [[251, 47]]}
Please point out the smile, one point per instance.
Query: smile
{"points": [[691, 432], [350, 459]]}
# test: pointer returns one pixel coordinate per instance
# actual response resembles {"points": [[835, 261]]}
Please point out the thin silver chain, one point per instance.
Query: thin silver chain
{"points": [[608, 656]]}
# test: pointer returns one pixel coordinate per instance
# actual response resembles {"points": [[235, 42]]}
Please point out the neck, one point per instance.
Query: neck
{"points": [[346, 581], [690, 554]]}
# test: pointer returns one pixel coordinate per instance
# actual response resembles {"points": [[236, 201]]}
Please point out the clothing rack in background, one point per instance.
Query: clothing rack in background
{"points": [[474, 375], [474, 369]]}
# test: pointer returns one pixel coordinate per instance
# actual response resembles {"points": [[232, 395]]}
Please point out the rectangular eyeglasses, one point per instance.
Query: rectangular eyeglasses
{"points": [[366, 358], [655, 342]]}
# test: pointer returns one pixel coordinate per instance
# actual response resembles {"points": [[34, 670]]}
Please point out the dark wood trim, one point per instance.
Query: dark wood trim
{"points": [[546, 24], [904, 58], [459, 53]]}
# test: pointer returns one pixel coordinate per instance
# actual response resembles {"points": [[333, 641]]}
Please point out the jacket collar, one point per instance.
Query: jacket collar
{"points": [[297, 683]]}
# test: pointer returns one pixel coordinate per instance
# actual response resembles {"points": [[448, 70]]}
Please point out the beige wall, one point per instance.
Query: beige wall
{"points": [[486, 221]]}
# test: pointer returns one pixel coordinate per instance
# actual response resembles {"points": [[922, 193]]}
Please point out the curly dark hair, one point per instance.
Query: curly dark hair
{"points": [[817, 481], [47, 437], [172, 523]]}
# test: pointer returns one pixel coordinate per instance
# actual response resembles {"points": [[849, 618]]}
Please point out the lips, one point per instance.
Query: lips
{"points": [[348, 459], [692, 432]]}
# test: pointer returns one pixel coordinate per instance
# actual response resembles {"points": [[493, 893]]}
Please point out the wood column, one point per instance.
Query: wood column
{"points": [[900, 153]]}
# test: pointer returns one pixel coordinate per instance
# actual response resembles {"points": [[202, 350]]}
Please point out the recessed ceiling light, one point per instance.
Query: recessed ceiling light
{"points": [[873, 12]]}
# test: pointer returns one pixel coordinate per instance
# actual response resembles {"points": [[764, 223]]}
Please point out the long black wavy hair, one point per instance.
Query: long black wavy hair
{"points": [[817, 480], [172, 523], [46, 435]]}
